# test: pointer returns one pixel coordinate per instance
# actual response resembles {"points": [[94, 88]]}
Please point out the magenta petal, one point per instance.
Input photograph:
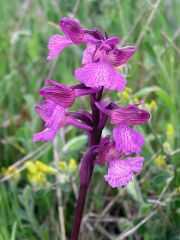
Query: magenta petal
{"points": [[117, 57], [119, 173], [45, 109], [101, 74], [103, 150], [129, 115], [72, 29], [113, 41], [57, 118], [136, 163], [127, 140], [88, 53], [46, 135], [56, 44], [58, 93]]}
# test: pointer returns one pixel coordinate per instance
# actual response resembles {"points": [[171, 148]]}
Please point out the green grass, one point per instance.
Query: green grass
{"points": [[30, 213]]}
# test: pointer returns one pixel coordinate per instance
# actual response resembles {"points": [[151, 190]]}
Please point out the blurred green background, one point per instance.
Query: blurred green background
{"points": [[37, 201]]}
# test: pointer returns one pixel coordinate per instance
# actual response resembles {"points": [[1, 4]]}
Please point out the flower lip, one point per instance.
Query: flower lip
{"points": [[72, 29]]}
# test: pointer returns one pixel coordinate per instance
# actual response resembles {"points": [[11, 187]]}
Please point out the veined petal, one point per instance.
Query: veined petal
{"points": [[117, 57], [45, 109], [47, 134], [56, 44], [58, 93], [136, 163], [57, 118], [119, 173], [101, 74], [88, 53], [72, 29], [113, 41], [129, 115], [103, 150], [127, 140]]}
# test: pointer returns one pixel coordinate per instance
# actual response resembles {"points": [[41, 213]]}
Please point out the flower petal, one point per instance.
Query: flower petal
{"points": [[119, 173], [101, 74], [127, 140], [56, 44], [58, 93], [57, 118], [88, 53], [136, 163], [113, 41], [72, 29], [46, 135], [129, 115], [117, 57], [45, 109]]}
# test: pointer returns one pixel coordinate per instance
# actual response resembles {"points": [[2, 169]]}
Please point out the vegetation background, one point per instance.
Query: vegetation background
{"points": [[36, 202]]}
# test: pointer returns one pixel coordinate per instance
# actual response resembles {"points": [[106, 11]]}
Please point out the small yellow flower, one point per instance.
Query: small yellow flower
{"points": [[167, 147], [38, 179], [128, 90], [45, 168], [135, 100], [169, 130], [62, 165], [72, 165], [11, 171], [31, 167], [159, 160], [152, 105], [124, 95], [179, 189]]}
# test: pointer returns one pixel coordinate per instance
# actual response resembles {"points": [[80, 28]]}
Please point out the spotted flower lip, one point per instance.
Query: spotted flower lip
{"points": [[99, 61], [120, 172]]}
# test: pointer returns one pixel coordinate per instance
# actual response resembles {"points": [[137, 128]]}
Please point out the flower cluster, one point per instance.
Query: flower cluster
{"points": [[98, 72]]}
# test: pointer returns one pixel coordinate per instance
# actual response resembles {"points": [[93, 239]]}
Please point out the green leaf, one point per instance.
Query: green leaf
{"points": [[146, 90], [13, 235], [166, 99], [75, 144]]}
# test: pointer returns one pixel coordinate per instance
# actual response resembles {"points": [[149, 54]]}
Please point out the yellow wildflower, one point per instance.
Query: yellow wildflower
{"points": [[45, 168], [159, 160], [31, 167], [37, 179], [72, 165], [169, 130], [152, 105], [11, 171], [135, 100], [62, 165], [126, 95], [179, 189], [167, 147]]}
